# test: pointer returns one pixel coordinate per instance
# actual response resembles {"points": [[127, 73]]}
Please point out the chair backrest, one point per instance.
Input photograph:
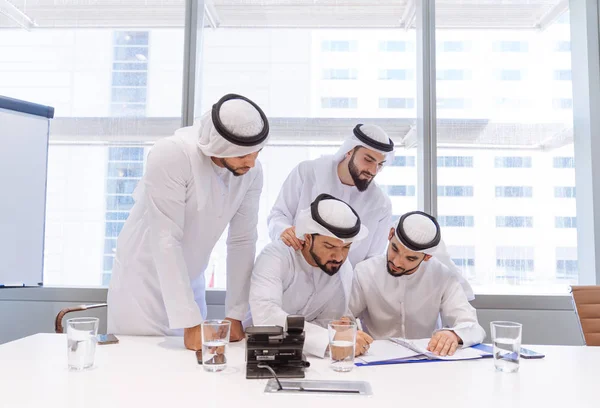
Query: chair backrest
{"points": [[587, 306], [58, 327]]}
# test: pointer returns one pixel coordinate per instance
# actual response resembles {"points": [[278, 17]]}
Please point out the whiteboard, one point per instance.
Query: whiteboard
{"points": [[23, 172]]}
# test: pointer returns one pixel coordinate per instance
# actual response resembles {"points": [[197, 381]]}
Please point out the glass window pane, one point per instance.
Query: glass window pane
{"points": [[91, 70], [518, 129]]}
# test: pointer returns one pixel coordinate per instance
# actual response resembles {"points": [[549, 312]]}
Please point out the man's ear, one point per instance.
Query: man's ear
{"points": [[427, 257], [391, 234], [307, 239]]}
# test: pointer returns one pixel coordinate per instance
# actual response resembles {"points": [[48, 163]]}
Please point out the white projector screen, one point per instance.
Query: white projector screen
{"points": [[23, 169]]}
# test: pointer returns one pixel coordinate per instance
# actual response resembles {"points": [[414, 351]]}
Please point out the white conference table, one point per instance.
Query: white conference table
{"points": [[159, 372]]}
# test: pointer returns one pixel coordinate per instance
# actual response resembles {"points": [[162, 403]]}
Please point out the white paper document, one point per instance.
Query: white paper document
{"points": [[402, 349]]}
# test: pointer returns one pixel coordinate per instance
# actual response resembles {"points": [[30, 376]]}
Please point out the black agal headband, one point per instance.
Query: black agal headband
{"points": [[384, 147], [410, 244], [235, 139], [337, 231]]}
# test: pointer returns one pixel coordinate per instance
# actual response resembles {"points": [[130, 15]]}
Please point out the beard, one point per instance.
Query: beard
{"points": [[355, 173], [330, 267], [402, 270], [236, 171]]}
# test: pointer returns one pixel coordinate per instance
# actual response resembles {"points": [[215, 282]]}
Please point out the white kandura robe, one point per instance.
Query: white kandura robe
{"points": [[283, 284], [183, 204], [313, 177], [408, 306]]}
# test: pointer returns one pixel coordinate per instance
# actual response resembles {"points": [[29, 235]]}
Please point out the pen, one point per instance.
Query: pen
{"points": [[359, 324]]}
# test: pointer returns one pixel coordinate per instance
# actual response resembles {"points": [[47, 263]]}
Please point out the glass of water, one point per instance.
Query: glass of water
{"points": [[506, 337], [215, 338], [81, 342], [342, 342]]}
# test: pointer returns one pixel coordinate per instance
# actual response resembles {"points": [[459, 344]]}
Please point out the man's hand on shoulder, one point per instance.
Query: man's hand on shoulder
{"points": [[289, 238]]}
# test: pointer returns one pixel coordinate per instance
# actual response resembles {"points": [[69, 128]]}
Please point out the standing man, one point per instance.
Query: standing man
{"points": [[197, 182], [348, 175], [314, 282], [402, 293]]}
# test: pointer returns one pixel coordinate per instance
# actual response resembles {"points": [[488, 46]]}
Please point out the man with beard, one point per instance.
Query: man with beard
{"points": [[402, 293], [197, 182], [314, 282], [347, 175]]}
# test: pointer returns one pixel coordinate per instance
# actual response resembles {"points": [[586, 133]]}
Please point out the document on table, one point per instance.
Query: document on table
{"points": [[402, 350]]}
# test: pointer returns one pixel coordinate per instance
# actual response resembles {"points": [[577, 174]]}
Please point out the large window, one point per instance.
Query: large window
{"points": [[505, 166], [108, 76], [517, 130]]}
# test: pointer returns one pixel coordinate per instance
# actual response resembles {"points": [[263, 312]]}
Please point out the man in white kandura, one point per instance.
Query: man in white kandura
{"points": [[402, 293], [197, 182], [314, 282], [348, 175]]}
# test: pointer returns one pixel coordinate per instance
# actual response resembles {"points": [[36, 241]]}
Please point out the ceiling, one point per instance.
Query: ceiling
{"points": [[508, 14]]}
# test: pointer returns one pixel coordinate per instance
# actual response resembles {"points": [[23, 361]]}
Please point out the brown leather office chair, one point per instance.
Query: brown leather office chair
{"points": [[58, 327], [587, 307]]}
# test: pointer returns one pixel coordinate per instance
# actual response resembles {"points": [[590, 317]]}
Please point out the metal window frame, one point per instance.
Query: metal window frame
{"points": [[426, 107]]}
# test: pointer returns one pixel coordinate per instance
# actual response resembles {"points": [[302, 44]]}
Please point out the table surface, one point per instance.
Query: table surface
{"points": [[159, 372]]}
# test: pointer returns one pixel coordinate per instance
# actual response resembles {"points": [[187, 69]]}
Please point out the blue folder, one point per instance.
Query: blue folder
{"points": [[486, 349]]}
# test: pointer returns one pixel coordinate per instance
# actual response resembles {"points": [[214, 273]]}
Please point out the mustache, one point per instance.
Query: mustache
{"points": [[395, 268], [366, 173]]}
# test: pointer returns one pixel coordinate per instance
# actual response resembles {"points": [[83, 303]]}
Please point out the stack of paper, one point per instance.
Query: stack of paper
{"points": [[396, 350]]}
